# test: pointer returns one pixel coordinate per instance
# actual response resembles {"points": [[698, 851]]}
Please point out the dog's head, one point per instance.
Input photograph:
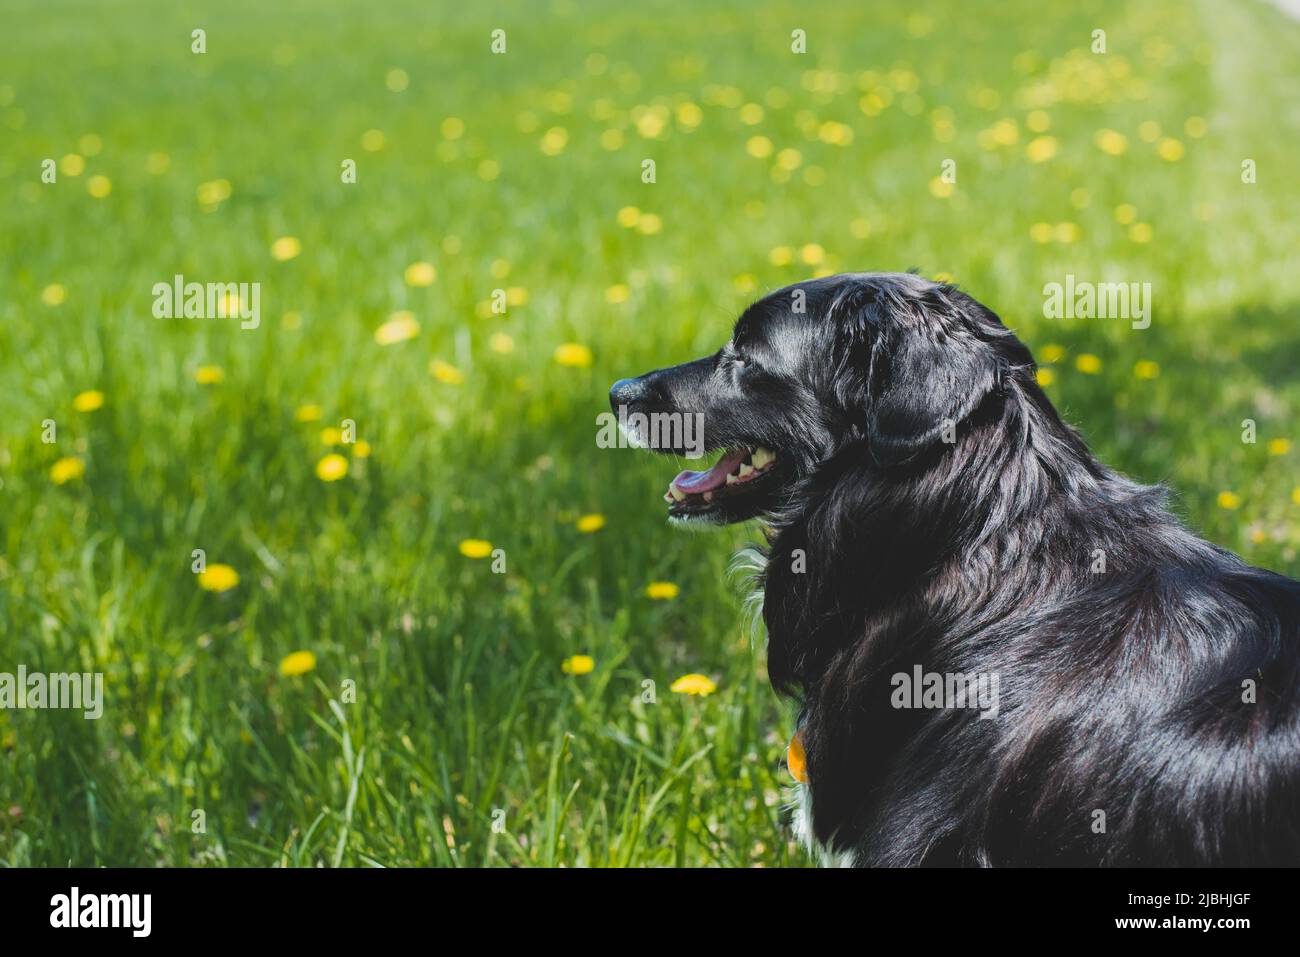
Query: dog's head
{"points": [[890, 361]]}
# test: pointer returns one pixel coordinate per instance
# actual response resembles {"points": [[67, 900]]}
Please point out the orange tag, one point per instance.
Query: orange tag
{"points": [[795, 760]]}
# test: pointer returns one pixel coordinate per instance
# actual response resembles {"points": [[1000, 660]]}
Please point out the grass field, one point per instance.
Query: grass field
{"points": [[435, 701]]}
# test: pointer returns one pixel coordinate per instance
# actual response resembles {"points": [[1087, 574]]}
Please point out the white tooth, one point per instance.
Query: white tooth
{"points": [[746, 470], [678, 496], [762, 458], [731, 479]]}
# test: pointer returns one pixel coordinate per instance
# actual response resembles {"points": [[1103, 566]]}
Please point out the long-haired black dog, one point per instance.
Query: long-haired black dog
{"points": [[931, 517]]}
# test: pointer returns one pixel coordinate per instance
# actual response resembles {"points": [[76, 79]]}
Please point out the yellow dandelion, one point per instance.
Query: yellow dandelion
{"points": [[1041, 149], [745, 283], [213, 192], [1229, 500], [372, 141], [618, 293], [400, 327], [591, 523], [1045, 377], [1087, 363], [1041, 232], [298, 663], [307, 413], [218, 578], [1295, 495], [661, 591], [759, 147], [88, 401], [1109, 141], [1146, 369], [209, 375], [1195, 127], [501, 343], [1149, 131], [99, 186], [612, 139], [573, 354], [629, 216], [452, 128], [55, 294], [445, 372], [812, 254], [1170, 150], [789, 159], [72, 165], [1052, 352], [420, 274], [780, 255], [331, 435], [1038, 121], [1126, 213], [517, 296], [1140, 232], [554, 141], [475, 548], [66, 469], [488, 170], [396, 80], [361, 449], [1066, 232], [578, 665], [285, 248], [796, 760], [751, 114], [331, 468], [649, 224], [697, 685], [1279, 446]]}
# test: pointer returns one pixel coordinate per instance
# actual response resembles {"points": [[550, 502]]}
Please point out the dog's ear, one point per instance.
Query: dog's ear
{"points": [[927, 369]]}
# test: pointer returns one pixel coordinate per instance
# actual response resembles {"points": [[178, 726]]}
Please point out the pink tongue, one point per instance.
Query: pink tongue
{"points": [[698, 482]]}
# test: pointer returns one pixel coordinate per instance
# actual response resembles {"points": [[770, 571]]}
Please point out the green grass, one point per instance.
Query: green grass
{"points": [[461, 707]]}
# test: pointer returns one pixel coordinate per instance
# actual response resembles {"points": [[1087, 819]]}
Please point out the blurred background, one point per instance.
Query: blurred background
{"points": [[431, 622]]}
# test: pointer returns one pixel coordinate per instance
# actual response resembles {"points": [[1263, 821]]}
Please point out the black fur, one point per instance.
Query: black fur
{"points": [[1121, 691]]}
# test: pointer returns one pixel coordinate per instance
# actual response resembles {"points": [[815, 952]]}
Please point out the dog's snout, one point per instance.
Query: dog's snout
{"points": [[626, 391]]}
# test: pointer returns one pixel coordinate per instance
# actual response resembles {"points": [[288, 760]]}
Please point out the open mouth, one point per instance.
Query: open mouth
{"points": [[735, 483]]}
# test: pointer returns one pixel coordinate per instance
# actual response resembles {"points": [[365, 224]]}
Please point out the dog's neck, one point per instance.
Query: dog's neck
{"points": [[862, 548]]}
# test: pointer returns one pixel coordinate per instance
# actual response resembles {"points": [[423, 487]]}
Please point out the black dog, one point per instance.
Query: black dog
{"points": [[935, 528]]}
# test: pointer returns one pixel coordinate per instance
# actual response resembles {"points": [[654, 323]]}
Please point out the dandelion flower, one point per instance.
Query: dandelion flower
{"points": [[372, 141], [573, 354], [1087, 363], [397, 80], [1170, 150], [66, 469], [693, 684], [361, 449], [1041, 149], [88, 401], [1041, 232], [401, 326], [650, 224], [554, 141], [307, 413], [1109, 141], [445, 372], [591, 523], [759, 147], [795, 759], [1295, 495], [99, 186], [285, 248], [812, 254], [1229, 500], [578, 665], [501, 343], [475, 548], [661, 591], [72, 165], [1045, 377], [1146, 369], [420, 274], [780, 255], [1066, 232], [1140, 232], [628, 217], [331, 468], [618, 293], [1279, 446], [298, 663], [209, 375], [331, 435], [1052, 352], [218, 578], [54, 294]]}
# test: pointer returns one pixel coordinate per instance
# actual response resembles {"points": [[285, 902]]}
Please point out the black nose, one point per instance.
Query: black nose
{"points": [[625, 392]]}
